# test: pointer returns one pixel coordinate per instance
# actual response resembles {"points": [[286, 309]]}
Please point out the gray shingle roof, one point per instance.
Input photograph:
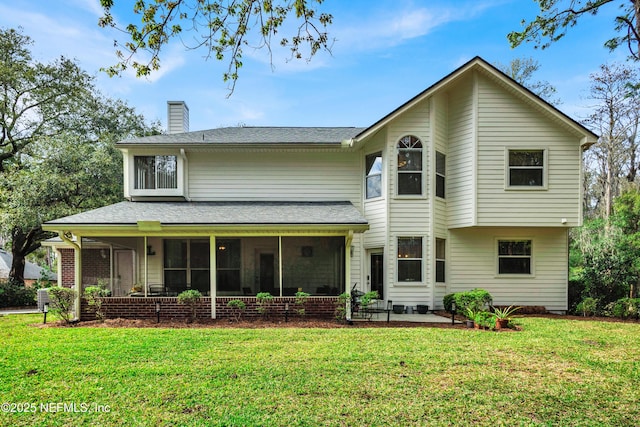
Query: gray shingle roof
{"points": [[218, 213], [254, 135]]}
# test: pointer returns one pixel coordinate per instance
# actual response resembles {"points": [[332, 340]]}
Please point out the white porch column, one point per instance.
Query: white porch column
{"points": [[213, 276], [146, 266], [347, 270]]}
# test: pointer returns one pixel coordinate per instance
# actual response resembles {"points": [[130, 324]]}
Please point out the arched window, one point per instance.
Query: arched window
{"points": [[409, 166]]}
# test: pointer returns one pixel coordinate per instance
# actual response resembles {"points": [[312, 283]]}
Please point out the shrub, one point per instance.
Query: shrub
{"points": [[237, 308], [301, 301], [447, 300], [190, 298], [61, 302], [624, 308], [95, 296], [588, 307], [15, 294], [263, 300], [476, 300], [485, 319], [341, 306]]}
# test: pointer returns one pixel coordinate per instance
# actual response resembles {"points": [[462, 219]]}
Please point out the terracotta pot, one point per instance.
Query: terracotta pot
{"points": [[502, 323]]}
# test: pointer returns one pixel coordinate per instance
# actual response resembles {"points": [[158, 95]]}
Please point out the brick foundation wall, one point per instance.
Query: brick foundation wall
{"points": [[144, 308]]}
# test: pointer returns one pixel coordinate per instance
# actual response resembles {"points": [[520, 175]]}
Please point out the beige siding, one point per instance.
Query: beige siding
{"points": [[461, 156], [507, 122], [473, 264], [275, 176], [409, 216], [375, 210]]}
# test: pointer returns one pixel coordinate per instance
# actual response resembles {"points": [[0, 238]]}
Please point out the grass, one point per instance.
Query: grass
{"points": [[554, 372]]}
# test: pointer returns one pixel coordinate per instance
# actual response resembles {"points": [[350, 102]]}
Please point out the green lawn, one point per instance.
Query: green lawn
{"points": [[554, 372]]}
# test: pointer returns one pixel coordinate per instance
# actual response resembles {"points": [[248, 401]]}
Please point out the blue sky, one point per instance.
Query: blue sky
{"points": [[386, 51]]}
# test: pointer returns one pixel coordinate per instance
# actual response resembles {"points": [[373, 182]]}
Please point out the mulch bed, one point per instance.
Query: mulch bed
{"points": [[302, 323]]}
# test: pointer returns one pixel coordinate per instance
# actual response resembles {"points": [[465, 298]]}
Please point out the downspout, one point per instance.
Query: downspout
{"points": [[77, 264]]}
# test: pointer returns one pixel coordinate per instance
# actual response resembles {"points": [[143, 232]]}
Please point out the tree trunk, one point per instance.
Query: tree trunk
{"points": [[22, 244]]}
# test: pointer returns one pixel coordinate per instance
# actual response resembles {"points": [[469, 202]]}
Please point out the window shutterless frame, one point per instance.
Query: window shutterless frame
{"points": [[373, 175], [409, 166], [409, 259], [514, 257], [526, 168]]}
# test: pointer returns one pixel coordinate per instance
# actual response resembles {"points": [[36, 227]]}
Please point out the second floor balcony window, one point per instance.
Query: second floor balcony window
{"points": [[155, 172]]}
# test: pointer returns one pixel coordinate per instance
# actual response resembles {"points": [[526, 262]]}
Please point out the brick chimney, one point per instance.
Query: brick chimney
{"points": [[177, 117]]}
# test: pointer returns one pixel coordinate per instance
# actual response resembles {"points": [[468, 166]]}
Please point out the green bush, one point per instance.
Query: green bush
{"points": [[341, 306], [301, 301], [190, 298], [447, 300], [588, 307], [624, 308], [61, 302], [475, 300], [13, 294], [237, 307], [263, 300], [95, 296]]}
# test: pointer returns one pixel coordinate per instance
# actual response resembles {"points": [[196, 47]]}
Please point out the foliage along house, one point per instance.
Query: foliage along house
{"points": [[474, 182]]}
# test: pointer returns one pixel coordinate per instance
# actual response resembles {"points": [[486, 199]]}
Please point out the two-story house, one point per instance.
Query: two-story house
{"points": [[475, 182]]}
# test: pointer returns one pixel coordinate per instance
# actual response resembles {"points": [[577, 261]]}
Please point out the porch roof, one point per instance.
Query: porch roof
{"points": [[153, 216]]}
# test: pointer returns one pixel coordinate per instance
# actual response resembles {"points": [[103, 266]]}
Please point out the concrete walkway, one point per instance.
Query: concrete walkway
{"points": [[415, 318], [25, 310]]}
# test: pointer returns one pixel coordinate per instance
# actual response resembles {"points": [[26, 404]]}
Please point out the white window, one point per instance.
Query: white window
{"points": [[441, 161], [441, 246], [526, 168], [155, 172], [409, 259], [374, 175], [409, 166], [514, 256]]}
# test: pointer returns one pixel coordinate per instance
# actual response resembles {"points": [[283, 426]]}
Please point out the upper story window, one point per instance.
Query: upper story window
{"points": [[155, 172], [374, 175], [514, 256], [441, 161], [409, 166], [526, 168]]}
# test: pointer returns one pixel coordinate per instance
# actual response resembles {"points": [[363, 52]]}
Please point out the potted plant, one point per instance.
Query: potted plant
{"points": [[483, 320], [503, 316], [471, 314]]}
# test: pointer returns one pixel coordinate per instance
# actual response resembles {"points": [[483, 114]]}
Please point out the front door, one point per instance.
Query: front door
{"points": [[376, 273], [124, 272]]}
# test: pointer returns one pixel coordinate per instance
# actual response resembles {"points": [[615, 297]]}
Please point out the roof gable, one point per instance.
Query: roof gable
{"points": [[480, 64]]}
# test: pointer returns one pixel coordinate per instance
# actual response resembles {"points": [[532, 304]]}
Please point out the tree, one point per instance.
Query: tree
{"points": [[56, 148], [557, 16], [37, 101], [613, 161], [222, 27], [522, 71]]}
